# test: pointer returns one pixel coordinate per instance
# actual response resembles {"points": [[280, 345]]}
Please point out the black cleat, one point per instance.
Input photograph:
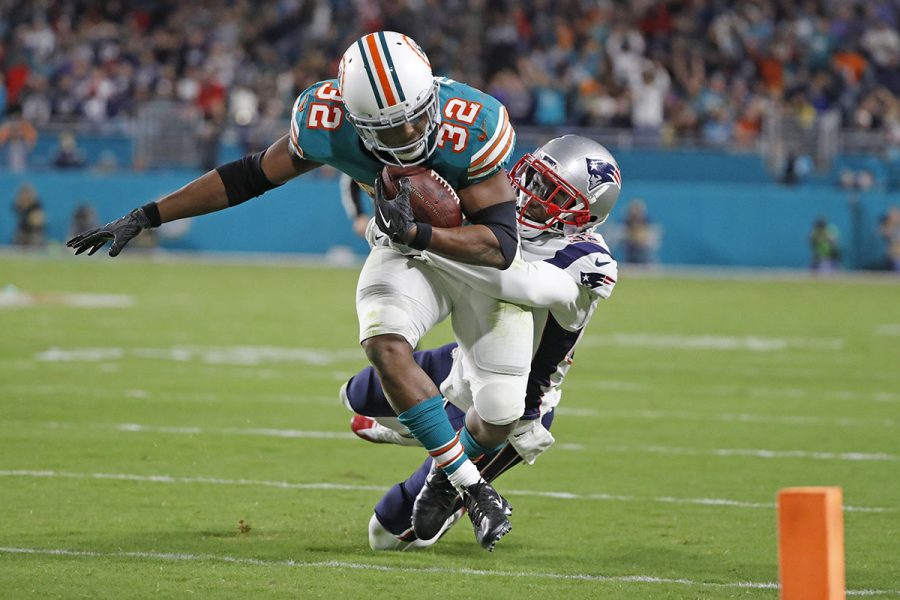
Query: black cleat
{"points": [[436, 502], [488, 511]]}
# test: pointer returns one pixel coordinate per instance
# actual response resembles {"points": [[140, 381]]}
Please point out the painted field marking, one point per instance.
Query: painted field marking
{"points": [[336, 564], [887, 329], [726, 417], [189, 429], [14, 298], [313, 434], [726, 391], [215, 355], [52, 474], [258, 431], [752, 343], [253, 356], [67, 391], [622, 449], [755, 453]]}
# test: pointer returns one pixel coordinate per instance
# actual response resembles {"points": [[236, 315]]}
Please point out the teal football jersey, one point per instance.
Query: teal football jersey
{"points": [[474, 139]]}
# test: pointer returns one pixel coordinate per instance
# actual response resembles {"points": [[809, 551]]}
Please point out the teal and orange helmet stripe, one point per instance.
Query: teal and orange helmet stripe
{"points": [[379, 67]]}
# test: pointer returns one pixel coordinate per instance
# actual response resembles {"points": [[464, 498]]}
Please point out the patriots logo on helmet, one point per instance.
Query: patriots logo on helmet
{"points": [[600, 172]]}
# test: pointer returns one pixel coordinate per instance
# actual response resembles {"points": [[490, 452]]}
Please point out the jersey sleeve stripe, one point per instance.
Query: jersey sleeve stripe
{"points": [[501, 155], [295, 146], [568, 255], [294, 137], [502, 123]]}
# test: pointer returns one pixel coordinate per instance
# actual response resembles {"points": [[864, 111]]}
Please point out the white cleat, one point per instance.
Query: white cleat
{"points": [[371, 430]]}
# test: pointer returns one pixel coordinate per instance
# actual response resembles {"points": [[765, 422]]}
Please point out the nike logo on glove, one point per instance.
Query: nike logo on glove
{"points": [[387, 222], [600, 264]]}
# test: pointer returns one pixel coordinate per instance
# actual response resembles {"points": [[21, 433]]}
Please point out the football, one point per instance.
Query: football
{"points": [[432, 199]]}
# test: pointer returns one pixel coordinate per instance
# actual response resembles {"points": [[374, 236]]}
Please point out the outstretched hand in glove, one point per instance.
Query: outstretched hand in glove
{"points": [[119, 232]]}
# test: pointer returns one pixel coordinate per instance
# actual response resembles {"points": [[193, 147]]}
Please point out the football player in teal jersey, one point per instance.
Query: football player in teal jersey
{"points": [[566, 188], [386, 108]]}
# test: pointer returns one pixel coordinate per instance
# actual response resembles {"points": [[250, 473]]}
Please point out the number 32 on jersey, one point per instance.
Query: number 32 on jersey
{"points": [[457, 114], [325, 115]]}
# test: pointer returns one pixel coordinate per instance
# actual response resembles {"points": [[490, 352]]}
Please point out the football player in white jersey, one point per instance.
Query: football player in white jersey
{"points": [[565, 188]]}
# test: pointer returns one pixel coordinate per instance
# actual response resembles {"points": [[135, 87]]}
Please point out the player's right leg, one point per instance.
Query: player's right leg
{"points": [[398, 300], [390, 526], [489, 375], [375, 419]]}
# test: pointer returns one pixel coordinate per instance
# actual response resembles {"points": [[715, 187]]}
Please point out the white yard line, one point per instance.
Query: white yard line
{"points": [[887, 329], [668, 415], [622, 449], [259, 431], [336, 564], [51, 474], [752, 343], [224, 355], [11, 297], [188, 429], [727, 391], [763, 453], [68, 392], [754, 453]]}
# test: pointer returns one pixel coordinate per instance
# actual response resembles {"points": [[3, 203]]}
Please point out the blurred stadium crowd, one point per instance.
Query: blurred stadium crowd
{"points": [[702, 69]]}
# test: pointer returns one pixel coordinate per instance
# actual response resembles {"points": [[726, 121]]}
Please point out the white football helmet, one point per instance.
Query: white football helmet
{"points": [[568, 185], [391, 97]]}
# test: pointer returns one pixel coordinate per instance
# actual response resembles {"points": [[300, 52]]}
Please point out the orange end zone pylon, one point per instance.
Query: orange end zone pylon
{"points": [[811, 543]]}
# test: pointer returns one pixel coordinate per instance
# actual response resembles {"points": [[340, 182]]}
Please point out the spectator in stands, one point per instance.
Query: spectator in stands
{"points": [[83, 218], [68, 155], [825, 245], [586, 65], [649, 86], [882, 43], [30, 220], [889, 230], [638, 233], [19, 136]]}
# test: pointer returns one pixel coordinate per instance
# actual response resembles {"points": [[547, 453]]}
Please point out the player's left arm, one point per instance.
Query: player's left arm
{"points": [[491, 239]]}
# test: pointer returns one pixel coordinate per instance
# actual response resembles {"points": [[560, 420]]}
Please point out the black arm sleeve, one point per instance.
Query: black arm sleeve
{"points": [[501, 219], [244, 178]]}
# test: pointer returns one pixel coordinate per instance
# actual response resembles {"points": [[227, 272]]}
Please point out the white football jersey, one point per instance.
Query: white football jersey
{"points": [[562, 278]]}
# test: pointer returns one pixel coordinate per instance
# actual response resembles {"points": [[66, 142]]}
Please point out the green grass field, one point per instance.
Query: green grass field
{"points": [[134, 437]]}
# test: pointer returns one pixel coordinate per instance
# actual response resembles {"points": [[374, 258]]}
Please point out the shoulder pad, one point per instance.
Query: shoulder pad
{"points": [[497, 149], [476, 126]]}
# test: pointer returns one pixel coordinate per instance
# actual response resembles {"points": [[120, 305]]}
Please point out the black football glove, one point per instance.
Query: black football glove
{"points": [[394, 216], [120, 232]]}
